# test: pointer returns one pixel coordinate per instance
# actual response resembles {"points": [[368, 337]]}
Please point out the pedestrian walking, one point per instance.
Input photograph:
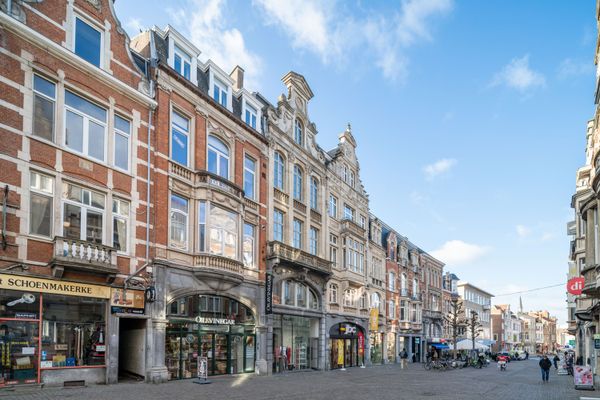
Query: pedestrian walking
{"points": [[403, 359], [556, 359], [526, 355], [545, 365]]}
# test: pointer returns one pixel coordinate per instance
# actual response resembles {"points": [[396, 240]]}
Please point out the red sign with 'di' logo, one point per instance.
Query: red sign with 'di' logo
{"points": [[575, 285]]}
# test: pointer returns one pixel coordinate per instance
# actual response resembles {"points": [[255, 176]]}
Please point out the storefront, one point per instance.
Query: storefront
{"points": [[295, 343], [390, 345], [51, 331], [346, 345], [218, 328], [376, 346]]}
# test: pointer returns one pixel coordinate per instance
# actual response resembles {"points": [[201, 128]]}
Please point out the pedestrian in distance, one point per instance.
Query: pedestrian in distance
{"points": [[526, 355], [556, 359], [403, 359], [545, 365]]}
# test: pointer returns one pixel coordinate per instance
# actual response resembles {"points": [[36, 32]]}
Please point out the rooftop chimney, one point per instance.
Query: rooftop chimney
{"points": [[238, 77]]}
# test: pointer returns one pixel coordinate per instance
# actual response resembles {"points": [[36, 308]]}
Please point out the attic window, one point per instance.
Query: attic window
{"points": [[220, 92], [182, 63]]}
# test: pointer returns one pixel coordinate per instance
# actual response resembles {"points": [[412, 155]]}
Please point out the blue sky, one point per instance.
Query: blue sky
{"points": [[470, 115]]}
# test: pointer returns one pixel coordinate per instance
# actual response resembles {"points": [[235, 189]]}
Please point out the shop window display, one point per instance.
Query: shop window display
{"points": [[295, 343]]}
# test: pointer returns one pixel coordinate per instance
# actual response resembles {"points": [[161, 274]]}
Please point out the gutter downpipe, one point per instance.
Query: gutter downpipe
{"points": [[150, 115]]}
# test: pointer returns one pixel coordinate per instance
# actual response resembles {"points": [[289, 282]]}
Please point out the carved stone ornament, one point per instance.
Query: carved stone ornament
{"points": [[180, 187], [212, 128], [95, 3]]}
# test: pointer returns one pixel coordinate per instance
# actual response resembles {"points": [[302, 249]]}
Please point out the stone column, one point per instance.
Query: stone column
{"points": [[112, 372], [156, 370]]}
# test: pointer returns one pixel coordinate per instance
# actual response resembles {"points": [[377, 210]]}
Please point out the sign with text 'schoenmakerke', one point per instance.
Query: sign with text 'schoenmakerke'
{"points": [[31, 284]]}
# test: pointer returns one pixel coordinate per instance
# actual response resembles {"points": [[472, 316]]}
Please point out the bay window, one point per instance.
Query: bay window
{"points": [[179, 222], [40, 204], [223, 232], [83, 214], [354, 252], [180, 132], [44, 103], [85, 126], [120, 224], [249, 245]]}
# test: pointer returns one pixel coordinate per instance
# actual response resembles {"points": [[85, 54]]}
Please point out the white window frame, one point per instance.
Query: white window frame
{"points": [[298, 132], [351, 178], [333, 293], [352, 212], [46, 97], [127, 135], [314, 193], [220, 155], [333, 201], [252, 107], [223, 89], [35, 187], [84, 210], [187, 221], [182, 130], [297, 234], [282, 225], [278, 164], [391, 281], [94, 26], [253, 173], [203, 226], [124, 217], [86, 125], [297, 190], [253, 263], [313, 241], [184, 57]]}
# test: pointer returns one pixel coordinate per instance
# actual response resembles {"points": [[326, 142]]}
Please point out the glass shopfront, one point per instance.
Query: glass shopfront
{"points": [[44, 332], [295, 343], [391, 347], [346, 345], [218, 328], [376, 346]]}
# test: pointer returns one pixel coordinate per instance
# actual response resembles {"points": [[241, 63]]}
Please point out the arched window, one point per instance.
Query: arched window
{"points": [[333, 293], [314, 193], [278, 171], [298, 132], [298, 178], [218, 157], [299, 295]]}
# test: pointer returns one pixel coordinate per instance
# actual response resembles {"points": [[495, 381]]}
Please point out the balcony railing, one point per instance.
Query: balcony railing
{"points": [[350, 226], [205, 178], [299, 206], [315, 216], [590, 281], [293, 255], [281, 196], [84, 252], [218, 263], [252, 205]]}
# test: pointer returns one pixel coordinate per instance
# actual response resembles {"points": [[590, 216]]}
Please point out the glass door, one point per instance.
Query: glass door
{"points": [[19, 352], [173, 351], [220, 353], [189, 354], [249, 352], [237, 345]]}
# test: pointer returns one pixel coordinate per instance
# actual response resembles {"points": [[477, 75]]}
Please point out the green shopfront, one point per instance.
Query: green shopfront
{"points": [[216, 327]]}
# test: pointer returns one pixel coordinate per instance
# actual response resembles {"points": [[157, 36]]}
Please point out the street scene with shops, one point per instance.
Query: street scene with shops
{"points": [[267, 200]]}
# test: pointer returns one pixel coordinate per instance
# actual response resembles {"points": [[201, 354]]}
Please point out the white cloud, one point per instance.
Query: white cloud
{"points": [[518, 75], [417, 198], [523, 231], [134, 26], [570, 68], [323, 28], [546, 236], [208, 30], [439, 167], [457, 252]]}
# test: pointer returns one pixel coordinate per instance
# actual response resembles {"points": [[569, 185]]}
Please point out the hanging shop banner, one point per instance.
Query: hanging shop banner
{"points": [[575, 285], [361, 343], [269, 294], [30, 284], [583, 377], [127, 301], [374, 319], [340, 346]]}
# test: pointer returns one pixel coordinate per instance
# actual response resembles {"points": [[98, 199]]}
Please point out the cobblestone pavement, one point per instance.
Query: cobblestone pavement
{"points": [[522, 380]]}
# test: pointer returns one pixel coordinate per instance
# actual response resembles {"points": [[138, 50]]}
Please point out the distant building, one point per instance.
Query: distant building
{"points": [[476, 300]]}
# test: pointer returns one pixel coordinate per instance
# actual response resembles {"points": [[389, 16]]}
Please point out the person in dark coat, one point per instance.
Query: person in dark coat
{"points": [[545, 365], [556, 359]]}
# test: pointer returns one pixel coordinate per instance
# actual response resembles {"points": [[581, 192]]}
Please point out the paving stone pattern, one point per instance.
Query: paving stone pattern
{"points": [[522, 380]]}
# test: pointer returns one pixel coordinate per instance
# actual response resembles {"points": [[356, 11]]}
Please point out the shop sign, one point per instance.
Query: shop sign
{"points": [[269, 294], [572, 342], [596, 344], [215, 321], [417, 340], [373, 319], [127, 301], [30, 284], [575, 285], [25, 315], [347, 329]]}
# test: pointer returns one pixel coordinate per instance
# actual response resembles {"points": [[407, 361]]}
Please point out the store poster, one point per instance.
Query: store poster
{"points": [[374, 319], [583, 377], [361, 343], [340, 346], [127, 301]]}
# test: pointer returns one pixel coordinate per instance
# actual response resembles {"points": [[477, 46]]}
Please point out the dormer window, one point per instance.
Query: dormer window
{"points": [[220, 92], [88, 42], [298, 132], [182, 62], [250, 116]]}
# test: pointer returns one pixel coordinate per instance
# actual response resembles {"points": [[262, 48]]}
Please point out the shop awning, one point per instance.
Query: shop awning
{"points": [[440, 346]]}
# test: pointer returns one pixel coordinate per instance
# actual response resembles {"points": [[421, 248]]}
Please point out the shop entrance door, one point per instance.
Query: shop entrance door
{"points": [[19, 352], [132, 345]]}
